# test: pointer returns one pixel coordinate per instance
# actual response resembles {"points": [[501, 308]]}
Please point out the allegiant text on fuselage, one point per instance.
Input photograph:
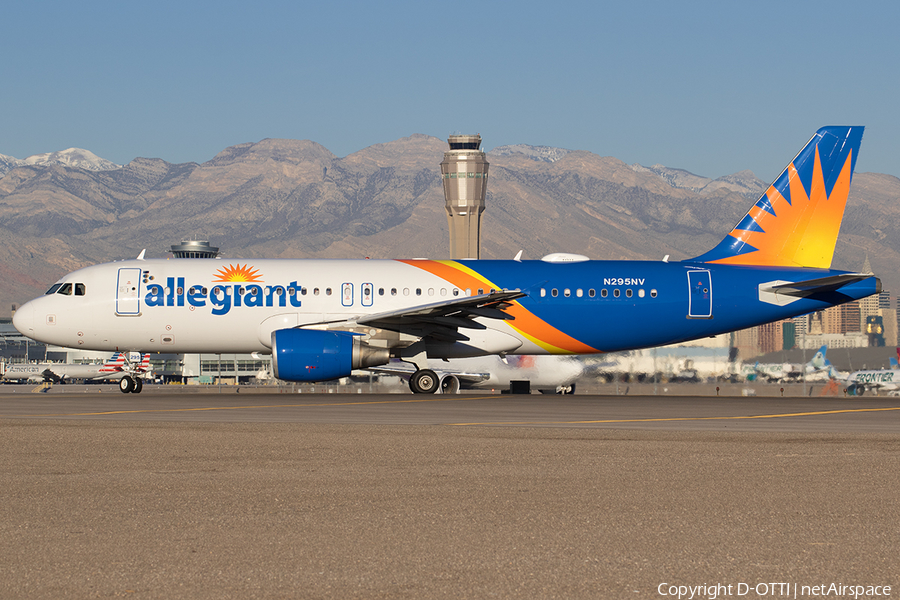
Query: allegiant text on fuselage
{"points": [[222, 297]]}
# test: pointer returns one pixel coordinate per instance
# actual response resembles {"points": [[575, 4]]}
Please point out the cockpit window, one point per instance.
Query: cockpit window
{"points": [[79, 289], [65, 289], [53, 289]]}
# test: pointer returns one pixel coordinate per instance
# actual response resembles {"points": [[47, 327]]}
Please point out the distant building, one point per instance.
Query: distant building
{"points": [[194, 249]]}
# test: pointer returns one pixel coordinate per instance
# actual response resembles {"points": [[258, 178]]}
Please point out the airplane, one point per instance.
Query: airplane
{"points": [[859, 382], [116, 367], [546, 374], [817, 369], [322, 318]]}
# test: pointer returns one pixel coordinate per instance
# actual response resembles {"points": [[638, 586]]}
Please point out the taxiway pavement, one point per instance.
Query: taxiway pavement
{"points": [[197, 495]]}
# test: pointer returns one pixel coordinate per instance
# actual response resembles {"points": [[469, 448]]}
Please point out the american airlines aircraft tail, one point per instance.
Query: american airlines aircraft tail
{"points": [[320, 319]]}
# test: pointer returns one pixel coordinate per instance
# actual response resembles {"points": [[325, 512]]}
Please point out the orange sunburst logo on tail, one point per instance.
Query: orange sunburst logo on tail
{"points": [[238, 273], [802, 231]]}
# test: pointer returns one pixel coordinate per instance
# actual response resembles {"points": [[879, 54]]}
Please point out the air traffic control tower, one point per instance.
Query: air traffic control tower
{"points": [[464, 171]]}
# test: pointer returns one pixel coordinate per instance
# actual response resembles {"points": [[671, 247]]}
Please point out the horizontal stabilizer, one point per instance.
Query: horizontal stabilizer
{"points": [[802, 289]]}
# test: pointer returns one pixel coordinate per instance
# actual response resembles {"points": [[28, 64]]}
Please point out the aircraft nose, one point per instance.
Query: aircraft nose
{"points": [[23, 320]]}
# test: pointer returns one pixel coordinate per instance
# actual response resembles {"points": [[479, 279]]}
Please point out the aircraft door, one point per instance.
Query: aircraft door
{"points": [[347, 294], [128, 292], [367, 294], [699, 295]]}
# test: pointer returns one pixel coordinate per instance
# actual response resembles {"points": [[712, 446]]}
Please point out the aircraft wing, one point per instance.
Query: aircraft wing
{"points": [[803, 289], [443, 320], [49, 375]]}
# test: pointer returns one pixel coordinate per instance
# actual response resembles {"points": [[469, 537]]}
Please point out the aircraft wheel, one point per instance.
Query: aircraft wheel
{"points": [[138, 385], [570, 389], [424, 381], [126, 384]]}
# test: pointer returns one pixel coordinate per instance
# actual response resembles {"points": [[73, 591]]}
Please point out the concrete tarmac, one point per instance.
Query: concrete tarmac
{"points": [[258, 495]]}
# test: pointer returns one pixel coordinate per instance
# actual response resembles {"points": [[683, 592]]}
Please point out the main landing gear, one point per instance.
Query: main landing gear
{"points": [[131, 385], [424, 381]]}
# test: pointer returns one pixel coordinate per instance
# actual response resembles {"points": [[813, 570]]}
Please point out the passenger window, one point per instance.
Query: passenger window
{"points": [[554, 292], [393, 291], [315, 291], [604, 293], [653, 293], [381, 291], [79, 289], [418, 291], [641, 293], [406, 291], [579, 292], [628, 293], [567, 292], [592, 293], [480, 291], [616, 293], [302, 291], [327, 291], [456, 291], [543, 292]]}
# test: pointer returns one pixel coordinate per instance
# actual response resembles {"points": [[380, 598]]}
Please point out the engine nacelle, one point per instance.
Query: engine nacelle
{"points": [[314, 355], [856, 390], [449, 384]]}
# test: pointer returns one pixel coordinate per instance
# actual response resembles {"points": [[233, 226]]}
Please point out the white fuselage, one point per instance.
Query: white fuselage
{"points": [[44, 371], [182, 305]]}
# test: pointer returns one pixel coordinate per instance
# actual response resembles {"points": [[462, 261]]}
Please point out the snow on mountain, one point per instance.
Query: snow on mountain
{"points": [[7, 163], [77, 158], [744, 183], [538, 153]]}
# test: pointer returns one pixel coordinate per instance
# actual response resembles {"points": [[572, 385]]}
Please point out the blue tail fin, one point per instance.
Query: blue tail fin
{"points": [[796, 222]]}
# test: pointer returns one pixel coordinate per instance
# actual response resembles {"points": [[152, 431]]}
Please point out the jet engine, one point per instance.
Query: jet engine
{"points": [[315, 355], [450, 384]]}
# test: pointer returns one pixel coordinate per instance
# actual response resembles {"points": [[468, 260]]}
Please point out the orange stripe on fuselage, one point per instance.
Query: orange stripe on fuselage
{"points": [[527, 323]]}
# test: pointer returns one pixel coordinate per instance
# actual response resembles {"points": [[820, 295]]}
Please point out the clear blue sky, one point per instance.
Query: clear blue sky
{"points": [[711, 87]]}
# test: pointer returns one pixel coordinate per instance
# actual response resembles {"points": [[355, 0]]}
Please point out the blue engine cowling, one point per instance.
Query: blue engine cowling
{"points": [[314, 355]]}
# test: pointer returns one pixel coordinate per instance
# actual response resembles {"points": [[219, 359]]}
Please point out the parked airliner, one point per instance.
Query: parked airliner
{"points": [[118, 366], [817, 369], [546, 374], [320, 319], [858, 382]]}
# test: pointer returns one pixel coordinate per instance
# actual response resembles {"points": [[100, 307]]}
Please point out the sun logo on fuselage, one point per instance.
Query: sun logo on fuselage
{"points": [[237, 273]]}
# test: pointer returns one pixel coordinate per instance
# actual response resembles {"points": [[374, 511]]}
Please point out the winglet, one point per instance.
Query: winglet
{"points": [[141, 255], [796, 222]]}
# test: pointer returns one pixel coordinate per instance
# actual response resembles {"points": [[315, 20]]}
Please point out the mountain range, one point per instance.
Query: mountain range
{"points": [[295, 198], [73, 157]]}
